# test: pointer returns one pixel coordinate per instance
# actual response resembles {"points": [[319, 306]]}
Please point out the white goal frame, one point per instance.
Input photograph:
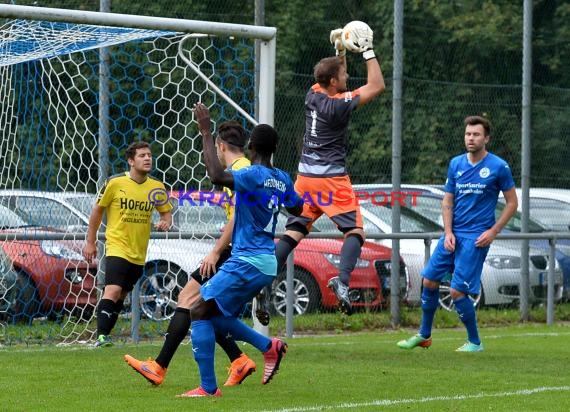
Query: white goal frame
{"points": [[267, 35]]}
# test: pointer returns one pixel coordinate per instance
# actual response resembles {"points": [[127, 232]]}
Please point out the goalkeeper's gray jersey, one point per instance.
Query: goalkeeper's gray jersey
{"points": [[326, 129]]}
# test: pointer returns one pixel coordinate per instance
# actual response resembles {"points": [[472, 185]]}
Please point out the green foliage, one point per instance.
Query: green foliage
{"points": [[460, 58]]}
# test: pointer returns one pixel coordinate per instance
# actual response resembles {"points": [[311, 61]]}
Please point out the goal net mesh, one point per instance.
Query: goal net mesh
{"points": [[63, 129]]}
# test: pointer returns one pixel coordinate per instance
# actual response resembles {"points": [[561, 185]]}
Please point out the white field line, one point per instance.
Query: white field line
{"points": [[390, 338], [385, 338], [393, 402]]}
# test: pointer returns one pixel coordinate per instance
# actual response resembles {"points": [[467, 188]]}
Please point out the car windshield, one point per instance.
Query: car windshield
{"points": [[551, 213], [410, 221], [43, 211], [10, 220], [195, 218], [83, 203], [515, 223]]}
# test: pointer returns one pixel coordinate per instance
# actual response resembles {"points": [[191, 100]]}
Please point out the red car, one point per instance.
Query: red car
{"points": [[52, 278], [316, 260]]}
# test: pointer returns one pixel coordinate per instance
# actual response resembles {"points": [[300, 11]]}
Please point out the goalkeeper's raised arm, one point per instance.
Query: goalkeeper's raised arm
{"points": [[357, 37]]}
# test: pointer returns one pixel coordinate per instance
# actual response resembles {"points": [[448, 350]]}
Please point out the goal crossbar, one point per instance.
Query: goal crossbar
{"points": [[266, 35], [135, 21]]}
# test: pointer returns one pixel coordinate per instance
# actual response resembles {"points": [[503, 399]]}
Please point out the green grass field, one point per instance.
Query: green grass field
{"points": [[523, 368]]}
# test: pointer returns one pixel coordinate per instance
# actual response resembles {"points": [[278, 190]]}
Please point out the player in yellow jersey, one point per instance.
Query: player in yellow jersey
{"points": [[230, 144], [128, 200]]}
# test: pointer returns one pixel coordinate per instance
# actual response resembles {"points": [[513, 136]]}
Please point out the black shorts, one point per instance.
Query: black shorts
{"points": [[121, 272], [225, 255]]}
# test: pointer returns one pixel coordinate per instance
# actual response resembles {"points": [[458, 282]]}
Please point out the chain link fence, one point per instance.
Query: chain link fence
{"points": [[436, 99]]}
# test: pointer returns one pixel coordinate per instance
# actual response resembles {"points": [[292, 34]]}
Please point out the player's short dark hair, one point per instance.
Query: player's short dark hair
{"points": [[263, 139], [483, 121], [133, 147], [232, 133], [327, 69]]}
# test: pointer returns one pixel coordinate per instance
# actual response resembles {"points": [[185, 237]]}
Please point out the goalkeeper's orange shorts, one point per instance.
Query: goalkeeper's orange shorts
{"points": [[332, 196]]}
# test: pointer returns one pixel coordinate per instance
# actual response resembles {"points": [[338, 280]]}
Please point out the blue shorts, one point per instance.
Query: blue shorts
{"points": [[465, 263], [235, 284]]}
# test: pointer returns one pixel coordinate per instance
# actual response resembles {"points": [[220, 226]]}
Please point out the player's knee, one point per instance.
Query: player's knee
{"points": [[189, 294], [455, 294], [357, 235], [430, 284], [204, 310], [297, 227], [198, 310]]}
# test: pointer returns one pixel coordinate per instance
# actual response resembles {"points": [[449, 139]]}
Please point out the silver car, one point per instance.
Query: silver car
{"points": [[501, 272]]}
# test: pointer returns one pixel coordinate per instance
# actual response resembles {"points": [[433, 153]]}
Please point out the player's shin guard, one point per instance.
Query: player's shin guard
{"points": [[282, 250], [105, 311], [466, 311], [203, 347], [430, 303], [349, 254], [175, 334]]}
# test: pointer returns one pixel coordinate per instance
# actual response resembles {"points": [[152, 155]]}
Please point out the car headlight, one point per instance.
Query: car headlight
{"points": [[504, 262], [335, 261], [59, 250]]}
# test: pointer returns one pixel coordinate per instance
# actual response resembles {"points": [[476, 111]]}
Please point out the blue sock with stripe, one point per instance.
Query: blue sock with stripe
{"points": [[466, 312], [240, 331], [203, 347], [430, 303]]}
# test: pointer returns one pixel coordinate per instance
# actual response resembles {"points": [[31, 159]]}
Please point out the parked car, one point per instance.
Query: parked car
{"points": [[315, 262], [549, 207], [51, 276], [169, 261], [168, 264], [8, 278], [549, 210], [501, 271]]}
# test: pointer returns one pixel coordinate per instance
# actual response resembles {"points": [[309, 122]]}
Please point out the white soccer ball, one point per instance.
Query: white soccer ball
{"points": [[357, 36]]}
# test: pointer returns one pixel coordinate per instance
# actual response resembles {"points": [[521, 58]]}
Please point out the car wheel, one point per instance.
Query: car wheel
{"points": [[306, 293], [446, 302], [26, 299], [159, 289]]}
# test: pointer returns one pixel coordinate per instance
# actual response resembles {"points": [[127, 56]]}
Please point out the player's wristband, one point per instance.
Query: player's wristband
{"points": [[341, 53], [368, 54]]}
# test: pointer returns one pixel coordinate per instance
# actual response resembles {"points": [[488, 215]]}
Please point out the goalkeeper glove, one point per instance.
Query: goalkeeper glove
{"points": [[335, 39], [365, 42]]}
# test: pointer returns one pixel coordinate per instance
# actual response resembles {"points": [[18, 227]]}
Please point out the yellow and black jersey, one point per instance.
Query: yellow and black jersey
{"points": [[236, 165], [129, 206]]}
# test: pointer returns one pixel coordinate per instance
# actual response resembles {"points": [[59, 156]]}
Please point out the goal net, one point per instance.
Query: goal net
{"points": [[74, 93]]}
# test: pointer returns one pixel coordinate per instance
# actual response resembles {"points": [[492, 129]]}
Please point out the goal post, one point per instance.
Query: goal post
{"points": [[77, 87]]}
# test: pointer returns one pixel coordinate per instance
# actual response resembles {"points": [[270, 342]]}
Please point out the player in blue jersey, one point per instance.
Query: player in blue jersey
{"points": [[260, 190], [322, 174], [474, 180], [231, 140]]}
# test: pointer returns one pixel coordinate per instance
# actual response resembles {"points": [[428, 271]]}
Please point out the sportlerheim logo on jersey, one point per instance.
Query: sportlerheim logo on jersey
{"points": [[341, 197]]}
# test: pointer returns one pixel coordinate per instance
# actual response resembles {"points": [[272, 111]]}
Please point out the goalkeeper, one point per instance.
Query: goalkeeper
{"points": [[322, 167], [230, 144]]}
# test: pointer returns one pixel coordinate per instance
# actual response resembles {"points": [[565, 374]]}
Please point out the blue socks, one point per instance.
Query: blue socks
{"points": [[203, 347], [240, 331], [430, 303], [466, 312]]}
